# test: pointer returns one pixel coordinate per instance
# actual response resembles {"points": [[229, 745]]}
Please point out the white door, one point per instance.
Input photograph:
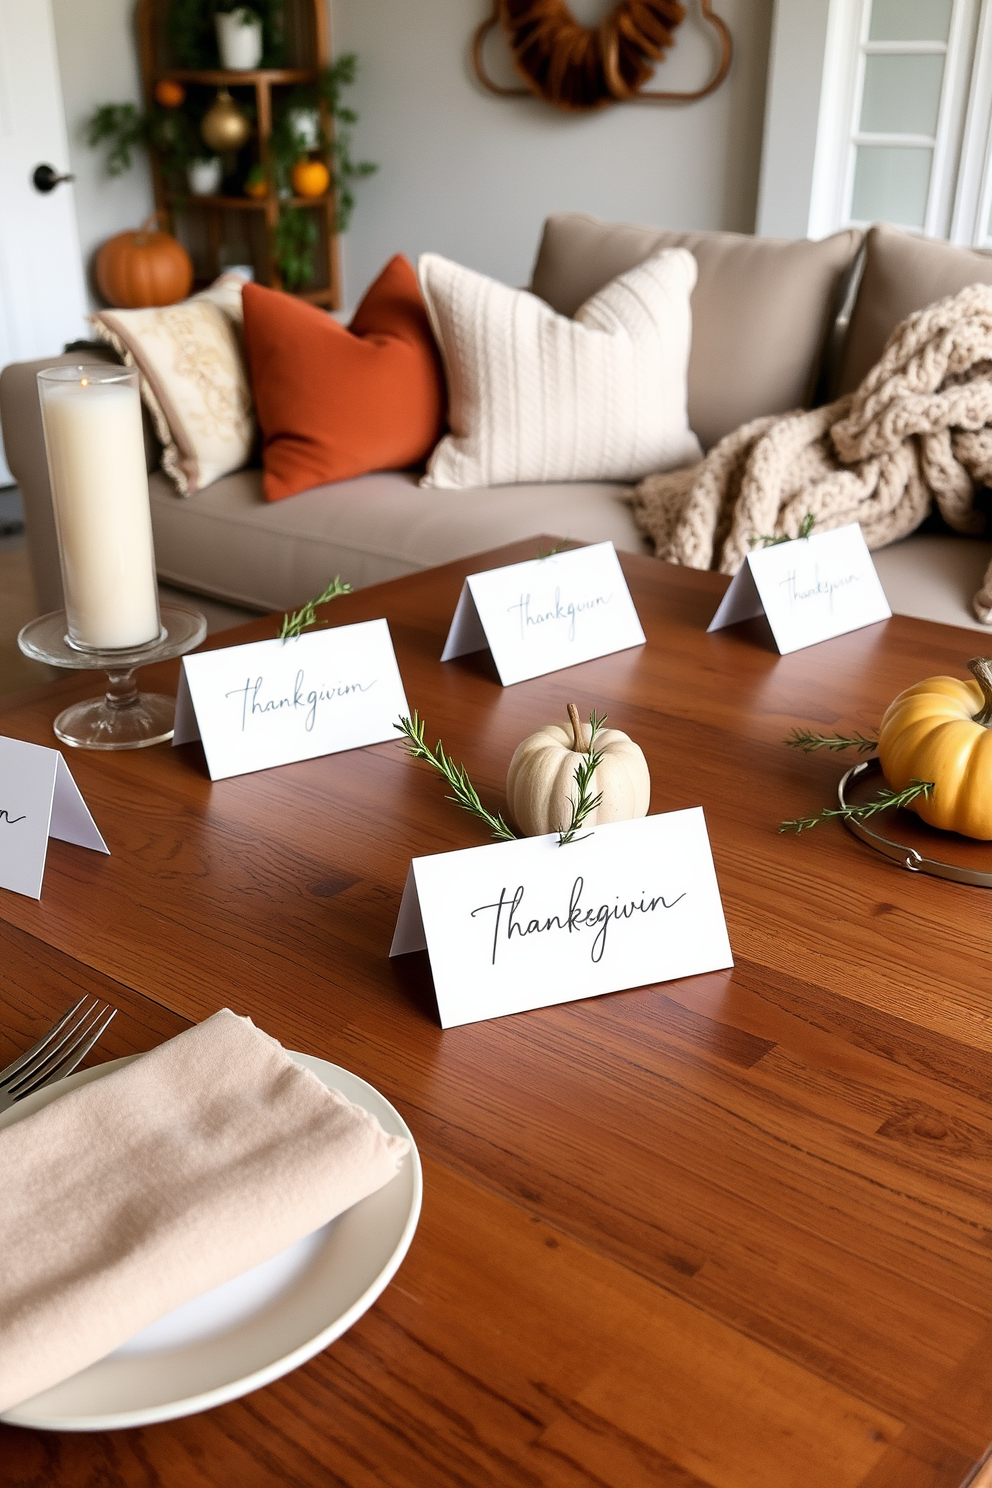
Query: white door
{"points": [[42, 296]]}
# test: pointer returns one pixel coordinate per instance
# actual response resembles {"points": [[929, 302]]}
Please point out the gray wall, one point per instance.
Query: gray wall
{"points": [[473, 176], [461, 172]]}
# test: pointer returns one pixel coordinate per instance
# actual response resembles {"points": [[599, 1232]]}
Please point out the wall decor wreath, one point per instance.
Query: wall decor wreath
{"points": [[580, 68]]}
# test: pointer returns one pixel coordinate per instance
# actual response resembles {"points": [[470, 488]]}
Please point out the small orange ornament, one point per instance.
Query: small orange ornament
{"points": [[169, 94], [257, 185], [310, 177]]}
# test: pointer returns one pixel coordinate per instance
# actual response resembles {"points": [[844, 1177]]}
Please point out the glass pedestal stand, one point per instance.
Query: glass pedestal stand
{"points": [[125, 718]]}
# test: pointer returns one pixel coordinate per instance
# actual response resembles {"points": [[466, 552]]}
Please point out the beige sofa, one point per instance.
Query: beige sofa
{"points": [[776, 324]]}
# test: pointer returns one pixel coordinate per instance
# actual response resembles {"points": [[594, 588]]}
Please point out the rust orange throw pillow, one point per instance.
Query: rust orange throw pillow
{"points": [[333, 402]]}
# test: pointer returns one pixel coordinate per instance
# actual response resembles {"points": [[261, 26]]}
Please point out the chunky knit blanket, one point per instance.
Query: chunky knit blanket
{"points": [[916, 433]]}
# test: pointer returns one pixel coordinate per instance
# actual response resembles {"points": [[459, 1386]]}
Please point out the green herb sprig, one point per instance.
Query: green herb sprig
{"points": [[583, 803], [884, 801], [772, 540], [293, 625], [464, 793], [807, 741]]}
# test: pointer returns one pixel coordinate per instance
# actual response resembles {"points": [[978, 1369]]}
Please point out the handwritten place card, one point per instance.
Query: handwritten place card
{"points": [[527, 924], [811, 589], [275, 702], [38, 799], [545, 614]]}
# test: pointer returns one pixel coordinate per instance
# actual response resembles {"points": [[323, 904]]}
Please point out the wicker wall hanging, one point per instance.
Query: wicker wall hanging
{"points": [[586, 67]]}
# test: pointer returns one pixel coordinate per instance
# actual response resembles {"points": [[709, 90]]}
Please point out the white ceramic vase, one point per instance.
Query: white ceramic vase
{"points": [[205, 176], [239, 39]]}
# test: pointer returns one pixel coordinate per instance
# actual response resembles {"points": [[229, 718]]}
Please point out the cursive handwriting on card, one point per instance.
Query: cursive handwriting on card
{"points": [[546, 613], [255, 703], [9, 820], [816, 588], [576, 918], [557, 612]]}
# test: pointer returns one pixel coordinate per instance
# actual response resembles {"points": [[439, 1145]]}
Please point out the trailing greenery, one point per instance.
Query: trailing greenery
{"points": [[123, 128], [807, 741], [583, 804], [295, 242], [287, 144], [464, 793], [293, 625], [772, 541], [884, 801]]}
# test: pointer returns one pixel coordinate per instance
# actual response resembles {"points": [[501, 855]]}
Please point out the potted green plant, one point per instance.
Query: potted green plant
{"points": [[239, 36]]}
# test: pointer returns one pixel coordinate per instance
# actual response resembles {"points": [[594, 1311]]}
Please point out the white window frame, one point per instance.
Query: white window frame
{"points": [[838, 135], [973, 205]]}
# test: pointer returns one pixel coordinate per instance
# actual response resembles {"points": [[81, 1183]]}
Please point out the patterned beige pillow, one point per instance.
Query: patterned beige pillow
{"points": [[194, 380]]}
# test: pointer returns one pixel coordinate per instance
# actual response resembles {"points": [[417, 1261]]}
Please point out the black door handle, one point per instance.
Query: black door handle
{"points": [[46, 178]]}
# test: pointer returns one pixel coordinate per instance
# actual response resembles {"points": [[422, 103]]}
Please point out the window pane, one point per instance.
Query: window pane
{"points": [[890, 185], [902, 93], [910, 20]]}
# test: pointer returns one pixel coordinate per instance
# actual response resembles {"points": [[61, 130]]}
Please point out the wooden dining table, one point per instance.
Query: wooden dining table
{"points": [[731, 1231]]}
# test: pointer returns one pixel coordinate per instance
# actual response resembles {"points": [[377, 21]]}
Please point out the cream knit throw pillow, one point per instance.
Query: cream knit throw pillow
{"points": [[534, 396]]}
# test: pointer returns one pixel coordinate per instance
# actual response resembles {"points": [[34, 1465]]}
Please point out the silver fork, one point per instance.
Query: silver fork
{"points": [[57, 1054]]}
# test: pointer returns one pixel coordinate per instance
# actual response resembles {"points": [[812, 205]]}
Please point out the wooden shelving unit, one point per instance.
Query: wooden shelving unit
{"points": [[311, 37]]}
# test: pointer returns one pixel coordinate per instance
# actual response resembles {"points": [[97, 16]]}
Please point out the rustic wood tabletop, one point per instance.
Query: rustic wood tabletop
{"points": [[726, 1232]]}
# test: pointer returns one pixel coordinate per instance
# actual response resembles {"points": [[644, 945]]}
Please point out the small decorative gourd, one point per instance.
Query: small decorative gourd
{"points": [[540, 782], [940, 730]]}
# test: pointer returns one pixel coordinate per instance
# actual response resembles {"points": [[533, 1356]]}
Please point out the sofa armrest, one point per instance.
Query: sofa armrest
{"points": [[24, 446]]}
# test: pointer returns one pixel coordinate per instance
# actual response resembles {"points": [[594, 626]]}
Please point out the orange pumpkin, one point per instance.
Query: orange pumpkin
{"points": [[310, 177], [170, 94], [138, 269]]}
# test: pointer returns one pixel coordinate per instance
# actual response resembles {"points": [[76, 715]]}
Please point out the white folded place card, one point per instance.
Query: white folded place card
{"points": [[38, 799], [274, 702], [811, 589], [545, 614], [527, 924]]}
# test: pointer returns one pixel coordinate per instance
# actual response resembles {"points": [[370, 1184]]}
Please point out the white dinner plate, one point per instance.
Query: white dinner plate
{"points": [[257, 1327]]}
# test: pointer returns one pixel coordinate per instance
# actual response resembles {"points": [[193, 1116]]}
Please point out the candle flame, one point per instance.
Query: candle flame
{"points": [[85, 382]]}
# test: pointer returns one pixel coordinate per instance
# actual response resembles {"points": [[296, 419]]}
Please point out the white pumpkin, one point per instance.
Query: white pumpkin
{"points": [[540, 783]]}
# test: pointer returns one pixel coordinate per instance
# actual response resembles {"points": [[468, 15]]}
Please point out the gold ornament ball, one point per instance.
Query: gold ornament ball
{"points": [[225, 126]]}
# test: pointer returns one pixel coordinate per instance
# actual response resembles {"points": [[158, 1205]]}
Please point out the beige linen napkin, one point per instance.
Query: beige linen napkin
{"points": [[137, 1192]]}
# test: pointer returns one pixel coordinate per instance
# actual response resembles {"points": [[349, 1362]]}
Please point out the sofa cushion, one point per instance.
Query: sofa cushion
{"points": [[935, 576], [902, 273], [194, 382], [232, 543], [332, 402], [537, 396], [761, 308]]}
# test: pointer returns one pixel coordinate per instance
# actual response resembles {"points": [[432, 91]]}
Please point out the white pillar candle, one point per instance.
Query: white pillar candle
{"points": [[96, 460]]}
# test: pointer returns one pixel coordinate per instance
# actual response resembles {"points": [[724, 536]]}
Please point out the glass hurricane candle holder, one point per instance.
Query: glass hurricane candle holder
{"points": [[111, 621], [124, 718], [96, 462]]}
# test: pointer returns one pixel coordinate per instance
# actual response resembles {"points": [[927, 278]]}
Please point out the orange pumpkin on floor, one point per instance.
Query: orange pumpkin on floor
{"points": [[135, 270]]}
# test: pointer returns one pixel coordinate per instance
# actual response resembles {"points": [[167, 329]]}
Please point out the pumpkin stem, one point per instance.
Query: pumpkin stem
{"points": [[981, 669], [573, 717]]}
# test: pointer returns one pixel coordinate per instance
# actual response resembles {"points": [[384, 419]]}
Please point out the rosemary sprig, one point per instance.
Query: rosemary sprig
{"points": [[293, 625], [464, 793], [772, 540], [583, 804], [807, 741], [883, 801]]}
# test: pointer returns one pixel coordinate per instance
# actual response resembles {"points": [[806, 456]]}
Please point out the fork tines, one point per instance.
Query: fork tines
{"points": [[57, 1054]]}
